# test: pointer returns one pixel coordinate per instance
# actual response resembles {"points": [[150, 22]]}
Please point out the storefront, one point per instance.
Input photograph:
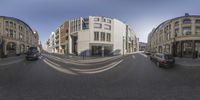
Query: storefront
{"points": [[187, 48], [101, 49]]}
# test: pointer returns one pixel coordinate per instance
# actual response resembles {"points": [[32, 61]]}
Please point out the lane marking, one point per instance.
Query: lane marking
{"points": [[133, 56], [58, 67], [143, 55], [94, 71], [65, 61]]}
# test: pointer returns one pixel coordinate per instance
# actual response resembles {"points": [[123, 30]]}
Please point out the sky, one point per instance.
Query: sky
{"points": [[142, 15]]}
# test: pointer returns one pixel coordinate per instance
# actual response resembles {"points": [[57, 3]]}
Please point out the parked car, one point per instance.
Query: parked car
{"points": [[33, 53], [163, 60], [147, 53]]}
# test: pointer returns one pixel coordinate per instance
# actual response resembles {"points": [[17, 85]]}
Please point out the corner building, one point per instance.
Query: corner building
{"points": [[16, 36], [96, 36], [179, 36]]}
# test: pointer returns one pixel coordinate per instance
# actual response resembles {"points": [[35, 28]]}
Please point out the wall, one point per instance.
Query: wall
{"points": [[118, 33]]}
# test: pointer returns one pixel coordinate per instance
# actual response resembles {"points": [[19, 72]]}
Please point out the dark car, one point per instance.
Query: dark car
{"points": [[163, 60], [33, 53]]}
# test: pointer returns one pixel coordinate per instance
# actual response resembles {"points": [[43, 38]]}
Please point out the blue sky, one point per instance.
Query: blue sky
{"points": [[141, 15]]}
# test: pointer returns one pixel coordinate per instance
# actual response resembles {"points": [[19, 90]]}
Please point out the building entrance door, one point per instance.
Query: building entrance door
{"points": [[187, 49]]}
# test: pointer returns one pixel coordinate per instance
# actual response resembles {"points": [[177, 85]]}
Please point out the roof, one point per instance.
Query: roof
{"points": [[18, 20]]}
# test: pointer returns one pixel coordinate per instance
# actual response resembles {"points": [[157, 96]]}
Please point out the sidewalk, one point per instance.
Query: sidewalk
{"points": [[187, 62], [11, 60]]}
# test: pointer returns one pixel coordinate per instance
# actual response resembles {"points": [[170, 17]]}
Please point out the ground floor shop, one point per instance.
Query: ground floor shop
{"points": [[12, 48], [186, 48]]}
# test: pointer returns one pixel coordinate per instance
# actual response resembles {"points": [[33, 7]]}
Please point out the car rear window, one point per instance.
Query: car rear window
{"points": [[33, 49], [168, 57]]}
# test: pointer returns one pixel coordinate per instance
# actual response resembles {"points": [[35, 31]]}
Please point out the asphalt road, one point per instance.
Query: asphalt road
{"points": [[132, 77]]}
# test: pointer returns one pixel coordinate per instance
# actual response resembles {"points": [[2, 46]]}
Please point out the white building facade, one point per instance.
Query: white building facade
{"points": [[100, 36]]}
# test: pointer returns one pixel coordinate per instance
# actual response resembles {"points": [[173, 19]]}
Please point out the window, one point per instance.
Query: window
{"points": [[187, 31], [11, 24], [107, 27], [67, 30], [14, 33], [109, 21], [96, 19], [108, 37], [11, 34], [197, 30], [96, 36], [187, 21], [85, 23], [7, 24], [176, 32], [197, 21], [7, 32], [20, 36], [177, 23], [97, 25], [103, 20], [102, 36], [15, 25]]}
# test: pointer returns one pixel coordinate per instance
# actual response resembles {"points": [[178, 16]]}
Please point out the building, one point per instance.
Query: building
{"points": [[142, 46], [178, 36], [16, 36], [51, 43], [95, 36]]}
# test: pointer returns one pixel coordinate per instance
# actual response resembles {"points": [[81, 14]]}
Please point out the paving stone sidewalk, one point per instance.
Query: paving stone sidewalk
{"points": [[188, 62]]}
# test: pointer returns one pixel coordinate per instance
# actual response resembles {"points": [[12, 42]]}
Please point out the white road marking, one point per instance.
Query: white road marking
{"points": [[58, 67], [133, 56], [98, 70], [40, 57], [143, 55], [65, 61]]}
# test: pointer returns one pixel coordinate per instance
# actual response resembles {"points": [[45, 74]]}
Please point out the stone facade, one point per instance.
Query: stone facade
{"points": [[17, 36], [179, 36]]}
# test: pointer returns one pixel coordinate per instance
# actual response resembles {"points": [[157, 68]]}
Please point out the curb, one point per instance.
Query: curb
{"points": [[181, 65]]}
